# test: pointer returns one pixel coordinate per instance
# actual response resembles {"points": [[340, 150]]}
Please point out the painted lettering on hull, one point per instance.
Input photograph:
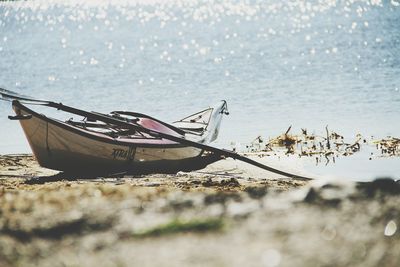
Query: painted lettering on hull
{"points": [[128, 154]]}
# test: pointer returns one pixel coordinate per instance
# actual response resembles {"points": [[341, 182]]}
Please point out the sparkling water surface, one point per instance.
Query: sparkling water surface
{"points": [[278, 63]]}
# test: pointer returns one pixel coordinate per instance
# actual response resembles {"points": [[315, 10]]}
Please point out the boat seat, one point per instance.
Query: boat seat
{"points": [[197, 129]]}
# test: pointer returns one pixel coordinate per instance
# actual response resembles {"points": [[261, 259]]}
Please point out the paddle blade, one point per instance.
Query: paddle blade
{"points": [[8, 95]]}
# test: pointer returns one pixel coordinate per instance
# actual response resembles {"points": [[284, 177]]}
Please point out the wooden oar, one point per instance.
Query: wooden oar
{"points": [[12, 96]]}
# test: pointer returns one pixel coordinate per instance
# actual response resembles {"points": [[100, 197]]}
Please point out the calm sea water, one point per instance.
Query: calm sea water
{"points": [[278, 63]]}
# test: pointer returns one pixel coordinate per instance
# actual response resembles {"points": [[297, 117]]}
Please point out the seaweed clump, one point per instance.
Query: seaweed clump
{"points": [[328, 146], [389, 146], [179, 226]]}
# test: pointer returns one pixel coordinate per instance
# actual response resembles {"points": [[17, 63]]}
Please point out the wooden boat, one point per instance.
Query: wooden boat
{"points": [[123, 141], [94, 145]]}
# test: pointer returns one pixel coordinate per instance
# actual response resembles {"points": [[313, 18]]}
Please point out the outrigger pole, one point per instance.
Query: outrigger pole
{"points": [[12, 96]]}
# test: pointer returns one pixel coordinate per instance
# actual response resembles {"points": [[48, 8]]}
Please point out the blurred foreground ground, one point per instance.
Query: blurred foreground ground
{"points": [[220, 216]]}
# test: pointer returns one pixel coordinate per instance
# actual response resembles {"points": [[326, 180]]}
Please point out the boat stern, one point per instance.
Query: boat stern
{"points": [[214, 125]]}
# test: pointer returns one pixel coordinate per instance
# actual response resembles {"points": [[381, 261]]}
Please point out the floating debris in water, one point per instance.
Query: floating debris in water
{"points": [[389, 146], [324, 148]]}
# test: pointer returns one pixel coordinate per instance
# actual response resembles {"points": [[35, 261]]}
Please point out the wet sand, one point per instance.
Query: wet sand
{"points": [[225, 215]]}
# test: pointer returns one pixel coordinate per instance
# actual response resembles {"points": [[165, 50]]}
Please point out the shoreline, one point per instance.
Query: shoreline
{"points": [[25, 170]]}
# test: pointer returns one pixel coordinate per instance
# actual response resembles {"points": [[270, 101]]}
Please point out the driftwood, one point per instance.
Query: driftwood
{"points": [[328, 144]]}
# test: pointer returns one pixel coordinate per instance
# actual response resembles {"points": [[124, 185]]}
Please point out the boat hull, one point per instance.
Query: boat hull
{"points": [[57, 145]]}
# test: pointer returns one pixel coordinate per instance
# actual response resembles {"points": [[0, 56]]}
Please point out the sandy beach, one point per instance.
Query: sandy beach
{"points": [[219, 216]]}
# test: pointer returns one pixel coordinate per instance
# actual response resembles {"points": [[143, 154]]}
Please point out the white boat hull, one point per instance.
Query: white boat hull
{"points": [[57, 145]]}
